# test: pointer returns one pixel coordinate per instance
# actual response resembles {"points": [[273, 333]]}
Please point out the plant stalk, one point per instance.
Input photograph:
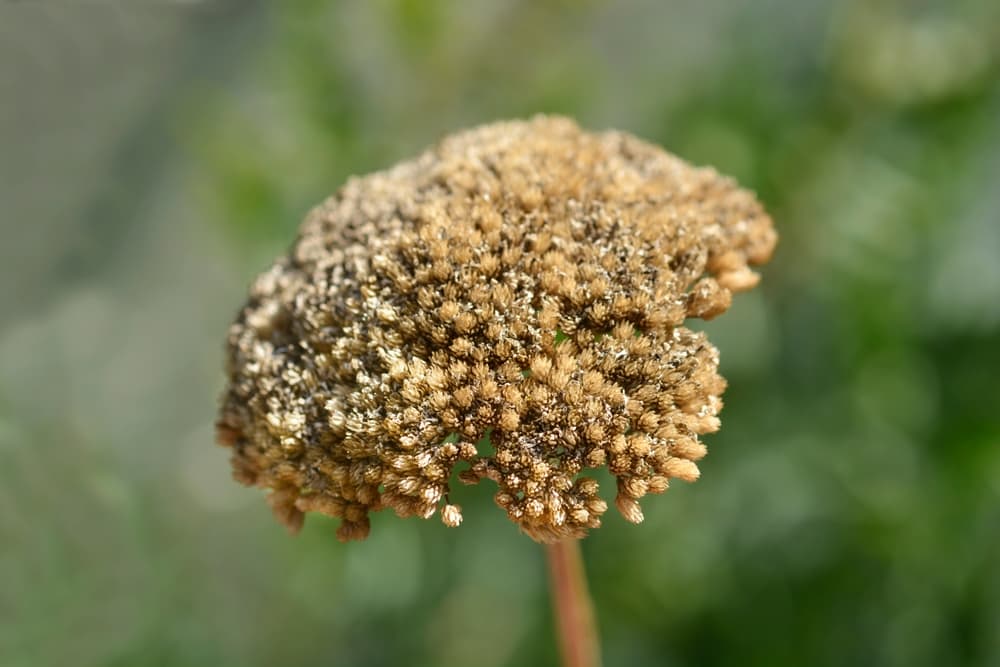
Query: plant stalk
{"points": [[571, 605]]}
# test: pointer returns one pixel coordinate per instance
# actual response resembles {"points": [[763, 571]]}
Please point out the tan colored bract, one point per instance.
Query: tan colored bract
{"points": [[508, 305]]}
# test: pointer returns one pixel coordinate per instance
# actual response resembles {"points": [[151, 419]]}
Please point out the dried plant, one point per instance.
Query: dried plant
{"points": [[509, 305]]}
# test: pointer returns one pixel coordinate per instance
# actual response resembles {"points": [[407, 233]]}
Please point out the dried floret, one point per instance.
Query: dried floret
{"points": [[509, 305]]}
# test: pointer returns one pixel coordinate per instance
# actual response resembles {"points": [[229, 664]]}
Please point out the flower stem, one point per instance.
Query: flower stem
{"points": [[574, 613]]}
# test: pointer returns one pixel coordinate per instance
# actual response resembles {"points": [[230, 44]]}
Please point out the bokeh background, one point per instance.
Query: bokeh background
{"points": [[155, 155]]}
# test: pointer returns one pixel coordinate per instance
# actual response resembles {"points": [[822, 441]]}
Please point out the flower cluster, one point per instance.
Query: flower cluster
{"points": [[509, 305]]}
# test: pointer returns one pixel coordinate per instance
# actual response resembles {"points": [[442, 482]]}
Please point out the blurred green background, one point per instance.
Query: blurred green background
{"points": [[154, 156]]}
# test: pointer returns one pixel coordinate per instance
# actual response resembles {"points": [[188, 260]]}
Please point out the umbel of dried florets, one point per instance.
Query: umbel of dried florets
{"points": [[509, 305]]}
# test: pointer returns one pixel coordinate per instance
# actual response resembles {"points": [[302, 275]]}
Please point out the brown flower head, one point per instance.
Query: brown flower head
{"points": [[509, 305]]}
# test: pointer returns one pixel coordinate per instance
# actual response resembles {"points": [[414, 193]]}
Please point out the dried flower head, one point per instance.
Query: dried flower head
{"points": [[509, 305]]}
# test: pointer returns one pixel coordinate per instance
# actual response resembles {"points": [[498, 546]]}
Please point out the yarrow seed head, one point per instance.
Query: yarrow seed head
{"points": [[509, 305]]}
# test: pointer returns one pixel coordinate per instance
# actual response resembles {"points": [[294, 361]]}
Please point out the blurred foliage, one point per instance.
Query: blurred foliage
{"points": [[849, 511]]}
